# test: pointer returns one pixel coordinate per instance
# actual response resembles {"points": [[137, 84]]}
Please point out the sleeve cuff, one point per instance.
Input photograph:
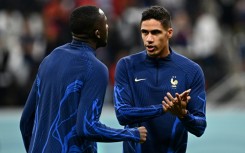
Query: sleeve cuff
{"points": [[187, 117]]}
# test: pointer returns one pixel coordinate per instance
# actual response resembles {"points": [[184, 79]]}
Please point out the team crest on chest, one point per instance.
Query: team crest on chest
{"points": [[174, 82]]}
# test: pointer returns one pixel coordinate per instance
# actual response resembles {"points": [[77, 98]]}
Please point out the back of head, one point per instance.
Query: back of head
{"points": [[158, 13], [83, 21]]}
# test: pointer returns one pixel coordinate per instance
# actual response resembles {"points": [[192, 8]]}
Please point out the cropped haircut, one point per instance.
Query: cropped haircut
{"points": [[84, 19], [158, 13]]}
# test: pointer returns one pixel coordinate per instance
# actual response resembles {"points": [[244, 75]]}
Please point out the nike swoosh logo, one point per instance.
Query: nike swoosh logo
{"points": [[137, 80]]}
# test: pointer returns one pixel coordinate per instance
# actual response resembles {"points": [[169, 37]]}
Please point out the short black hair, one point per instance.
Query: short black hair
{"points": [[158, 13], [84, 19]]}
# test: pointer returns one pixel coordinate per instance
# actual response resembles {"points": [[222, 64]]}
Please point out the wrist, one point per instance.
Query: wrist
{"points": [[184, 114]]}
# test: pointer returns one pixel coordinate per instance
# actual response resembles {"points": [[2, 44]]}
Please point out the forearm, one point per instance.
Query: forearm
{"points": [[26, 132], [194, 124], [127, 113], [101, 133], [89, 126], [130, 115], [26, 125], [26, 140]]}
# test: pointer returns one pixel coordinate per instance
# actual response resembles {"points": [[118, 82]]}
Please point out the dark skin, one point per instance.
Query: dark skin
{"points": [[177, 105], [100, 35]]}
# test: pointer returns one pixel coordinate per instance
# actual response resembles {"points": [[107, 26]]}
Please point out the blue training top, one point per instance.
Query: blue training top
{"points": [[64, 105], [141, 82]]}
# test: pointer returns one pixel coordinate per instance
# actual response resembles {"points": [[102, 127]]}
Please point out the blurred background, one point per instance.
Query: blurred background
{"points": [[210, 32]]}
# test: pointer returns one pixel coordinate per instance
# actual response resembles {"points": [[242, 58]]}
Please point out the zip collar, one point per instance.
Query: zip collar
{"points": [[159, 60]]}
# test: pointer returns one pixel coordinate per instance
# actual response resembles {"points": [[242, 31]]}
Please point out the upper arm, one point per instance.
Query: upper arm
{"points": [[122, 90], [198, 94], [28, 114], [91, 99]]}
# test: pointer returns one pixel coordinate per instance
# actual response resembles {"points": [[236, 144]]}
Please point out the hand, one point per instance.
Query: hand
{"points": [[143, 134], [183, 100], [177, 105], [185, 95]]}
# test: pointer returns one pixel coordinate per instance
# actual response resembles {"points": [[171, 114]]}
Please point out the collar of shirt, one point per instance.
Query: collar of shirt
{"points": [[82, 45], [159, 60]]}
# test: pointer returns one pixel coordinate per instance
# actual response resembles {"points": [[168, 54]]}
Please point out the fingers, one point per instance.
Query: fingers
{"points": [[176, 105], [166, 106], [170, 97], [168, 102], [183, 104], [188, 99], [188, 91], [185, 94], [143, 134], [179, 102], [179, 99]]}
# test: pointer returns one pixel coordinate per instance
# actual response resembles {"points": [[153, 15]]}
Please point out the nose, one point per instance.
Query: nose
{"points": [[149, 38]]}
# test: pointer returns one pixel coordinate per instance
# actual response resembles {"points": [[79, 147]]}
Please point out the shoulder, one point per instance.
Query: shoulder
{"points": [[190, 68], [184, 62], [133, 58]]}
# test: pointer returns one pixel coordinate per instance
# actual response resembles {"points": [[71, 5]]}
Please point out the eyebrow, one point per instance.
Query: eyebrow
{"points": [[151, 31]]}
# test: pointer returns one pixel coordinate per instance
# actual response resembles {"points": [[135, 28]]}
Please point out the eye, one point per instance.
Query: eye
{"points": [[145, 32], [155, 32]]}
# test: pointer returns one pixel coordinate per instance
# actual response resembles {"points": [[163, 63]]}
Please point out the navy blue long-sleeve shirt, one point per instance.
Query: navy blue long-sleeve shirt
{"points": [[141, 82], [63, 108]]}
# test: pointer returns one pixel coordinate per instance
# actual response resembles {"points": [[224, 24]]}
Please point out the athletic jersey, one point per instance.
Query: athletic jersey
{"points": [[141, 82], [64, 105]]}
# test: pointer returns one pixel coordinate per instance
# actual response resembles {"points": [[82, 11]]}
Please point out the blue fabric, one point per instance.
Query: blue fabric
{"points": [[141, 83], [64, 105]]}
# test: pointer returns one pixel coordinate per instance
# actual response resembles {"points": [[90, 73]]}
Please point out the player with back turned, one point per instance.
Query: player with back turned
{"points": [[63, 108]]}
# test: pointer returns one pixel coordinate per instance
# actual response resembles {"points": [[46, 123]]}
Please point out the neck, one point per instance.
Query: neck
{"points": [[85, 40], [165, 52]]}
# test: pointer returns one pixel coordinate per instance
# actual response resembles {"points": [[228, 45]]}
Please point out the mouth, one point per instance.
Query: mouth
{"points": [[150, 48]]}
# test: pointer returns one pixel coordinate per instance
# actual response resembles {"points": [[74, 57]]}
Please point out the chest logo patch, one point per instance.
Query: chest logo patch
{"points": [[174, 82], [137, 80]]}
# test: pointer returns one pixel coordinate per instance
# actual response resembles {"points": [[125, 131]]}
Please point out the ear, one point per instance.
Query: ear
{"points": [[170, 32], [97, 33]]}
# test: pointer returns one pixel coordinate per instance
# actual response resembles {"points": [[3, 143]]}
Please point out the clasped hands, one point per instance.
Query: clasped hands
{"points": [[176, 105]]}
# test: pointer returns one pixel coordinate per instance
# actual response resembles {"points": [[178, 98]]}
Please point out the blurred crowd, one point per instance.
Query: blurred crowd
{"points": [[212, 33]]}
